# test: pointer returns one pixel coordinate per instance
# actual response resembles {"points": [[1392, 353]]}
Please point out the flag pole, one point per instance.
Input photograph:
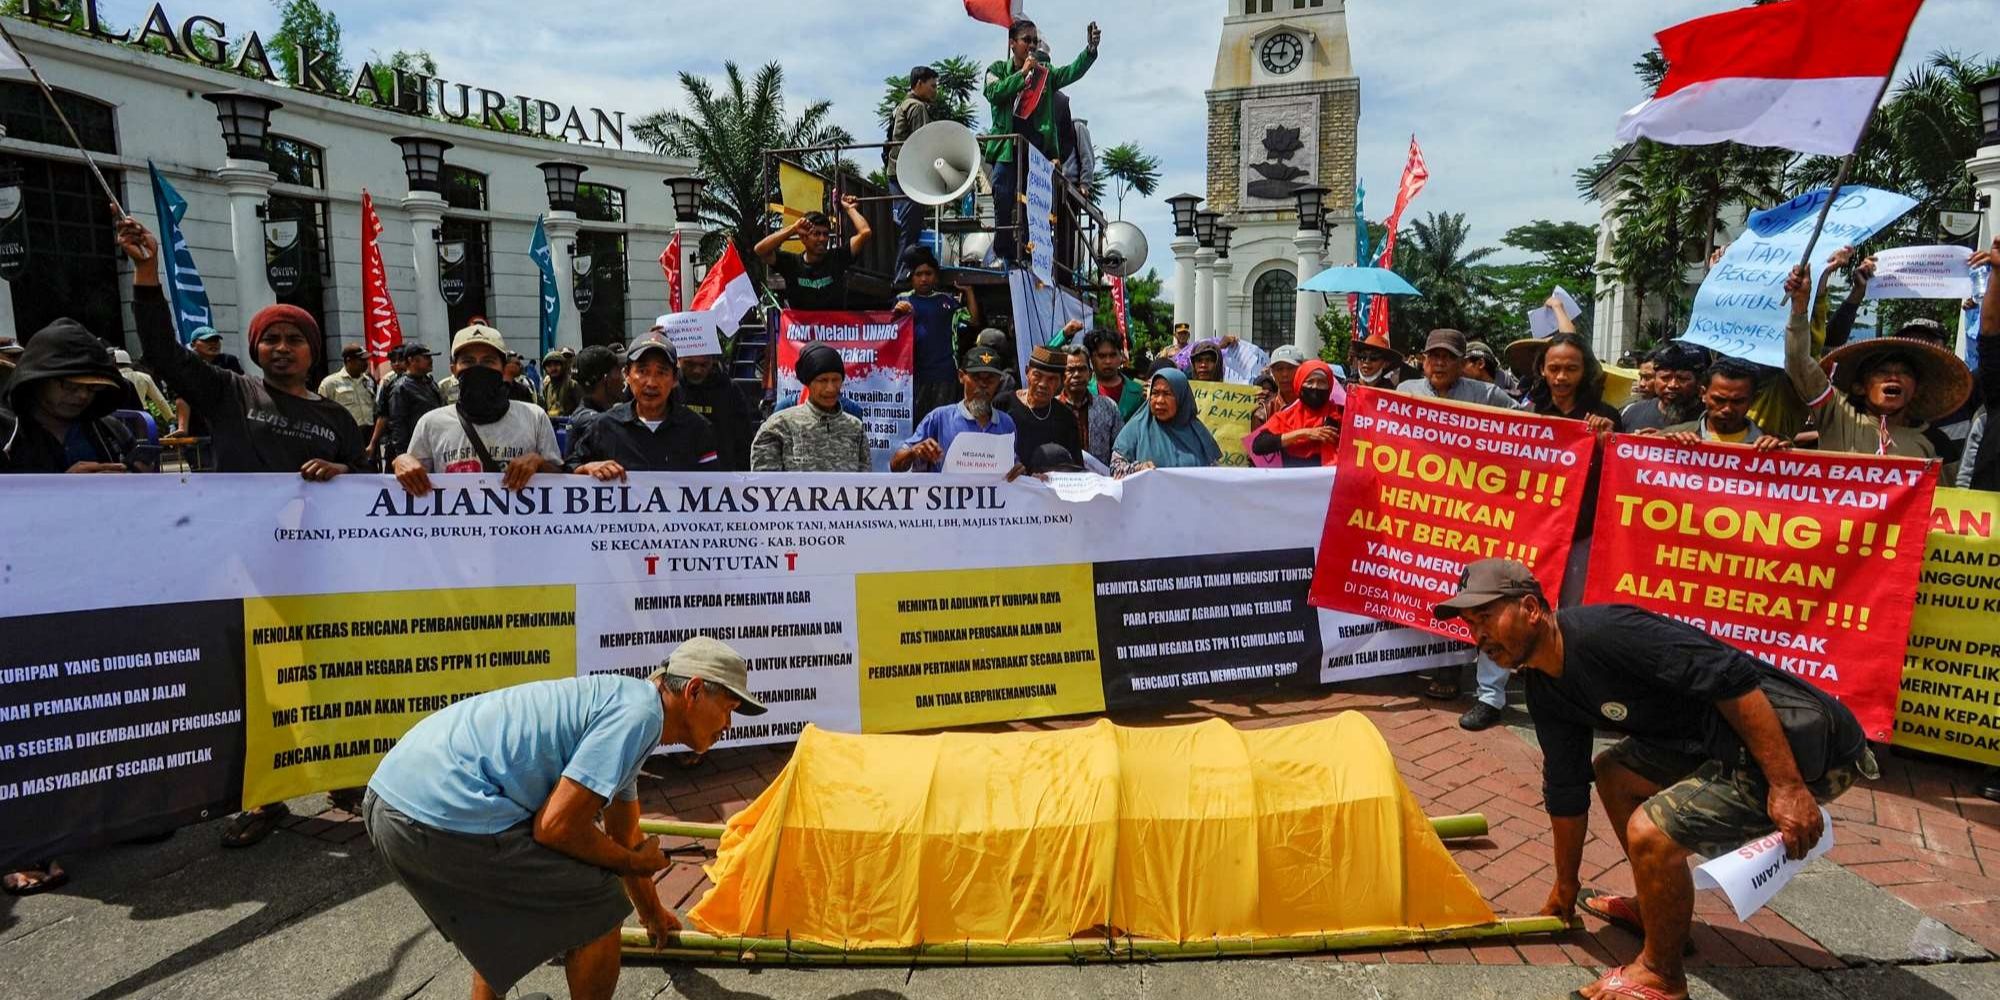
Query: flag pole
{"points": [[67, 127], [1847, 162]]}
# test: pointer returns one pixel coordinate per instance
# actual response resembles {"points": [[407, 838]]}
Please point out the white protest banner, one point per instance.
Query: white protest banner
{"points": [[1938, 272], [980, 454], [1041, 209], [693, 334], [1752, 874], [1040, 311], [878, 349], [1740, 309], [1083, 487]]}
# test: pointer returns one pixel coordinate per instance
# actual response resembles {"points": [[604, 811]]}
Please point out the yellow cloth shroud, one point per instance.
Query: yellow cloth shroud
{"points": [[1176, 833]]}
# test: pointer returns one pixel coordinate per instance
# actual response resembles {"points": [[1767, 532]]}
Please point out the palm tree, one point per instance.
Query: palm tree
{"points": [[727, 134], [1131, 167], [1432, 255]]}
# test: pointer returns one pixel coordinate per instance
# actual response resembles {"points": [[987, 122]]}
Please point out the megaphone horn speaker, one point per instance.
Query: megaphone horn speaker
{"points": [[1124, 249], [937, 163]]}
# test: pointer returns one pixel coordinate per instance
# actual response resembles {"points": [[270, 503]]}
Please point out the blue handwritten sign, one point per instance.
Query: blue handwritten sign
{"points": [[1741, 309]]}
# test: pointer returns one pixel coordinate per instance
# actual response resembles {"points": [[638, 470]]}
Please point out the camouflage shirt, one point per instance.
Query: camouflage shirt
{"points": [[804, 438]]}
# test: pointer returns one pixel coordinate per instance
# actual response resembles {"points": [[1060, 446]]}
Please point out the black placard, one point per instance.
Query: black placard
{"points": [[451, 273], [116, 723], [282, 262], [1200, 626], [13, 234]]}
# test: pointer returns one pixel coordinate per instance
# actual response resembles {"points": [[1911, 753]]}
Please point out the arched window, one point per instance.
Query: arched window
{"points": [[1273, 302]]}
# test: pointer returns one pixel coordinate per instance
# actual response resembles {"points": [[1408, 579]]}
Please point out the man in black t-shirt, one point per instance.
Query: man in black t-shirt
{"points": [[818, 278], [1720, 749]]}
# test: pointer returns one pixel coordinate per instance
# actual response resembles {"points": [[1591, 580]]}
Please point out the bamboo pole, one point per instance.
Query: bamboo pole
{"points": [[696, 946], [1458, 827]]}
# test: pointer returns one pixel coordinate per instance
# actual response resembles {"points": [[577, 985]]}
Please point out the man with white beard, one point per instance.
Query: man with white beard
{"points": [[979, 378]]}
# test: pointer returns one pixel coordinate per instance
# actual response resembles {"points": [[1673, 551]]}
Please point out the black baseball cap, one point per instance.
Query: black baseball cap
{"points": [[982, 360], [1486, 581]]}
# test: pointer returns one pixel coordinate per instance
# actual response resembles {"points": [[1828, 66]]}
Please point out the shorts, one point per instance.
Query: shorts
{"points": [[1712, 808]]}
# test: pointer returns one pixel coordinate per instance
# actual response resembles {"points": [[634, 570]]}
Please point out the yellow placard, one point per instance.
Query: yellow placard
{"points": [[960, 647], [1225, 408], [1950, 701], [331, 681]]}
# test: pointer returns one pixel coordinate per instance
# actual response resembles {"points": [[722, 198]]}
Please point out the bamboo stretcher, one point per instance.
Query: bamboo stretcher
{"points": [[695, 946]]}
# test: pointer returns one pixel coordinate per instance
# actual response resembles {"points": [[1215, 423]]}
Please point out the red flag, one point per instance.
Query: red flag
{"points": [[1415, 176], [384, 331], [1803, 75], [1000, 12], [670, 262], [1118, 303], [726, 292]]}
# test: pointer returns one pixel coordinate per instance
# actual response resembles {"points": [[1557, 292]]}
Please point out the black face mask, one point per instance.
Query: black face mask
{"points": [[1314, 398], [482, 394]]}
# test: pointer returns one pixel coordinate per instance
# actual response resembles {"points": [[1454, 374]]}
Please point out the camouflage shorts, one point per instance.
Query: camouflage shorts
{"points": [[1710, 807]]}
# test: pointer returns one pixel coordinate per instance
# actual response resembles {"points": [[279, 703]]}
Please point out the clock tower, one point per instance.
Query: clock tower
{"points": [[1283, 110]]}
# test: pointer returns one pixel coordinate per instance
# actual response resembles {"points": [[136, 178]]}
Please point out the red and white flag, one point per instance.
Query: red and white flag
{"points": [[384, 331], [1000, 12], [670, 262], [1118, 304], [726, 292], [1802, 75], [1415, 175]]}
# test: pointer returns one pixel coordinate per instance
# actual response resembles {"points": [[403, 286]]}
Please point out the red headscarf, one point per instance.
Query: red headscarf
{"points": [[1299, 416]]}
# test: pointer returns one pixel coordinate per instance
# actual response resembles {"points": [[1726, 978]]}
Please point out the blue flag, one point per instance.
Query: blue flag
{"points": [[1362, 258], [186, 294], [545, 260]]}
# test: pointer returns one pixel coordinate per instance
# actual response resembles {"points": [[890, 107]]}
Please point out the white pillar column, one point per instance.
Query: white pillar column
{"points": [[690, 234], [1204, 295], [249, 185], [1305, 314], [562, 228], [1184, 248], [1220, 326], [426, 211]]}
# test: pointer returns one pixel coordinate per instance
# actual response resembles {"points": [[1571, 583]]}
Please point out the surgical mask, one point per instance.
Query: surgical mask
{"points": [[482, 394], [1314, 398]]}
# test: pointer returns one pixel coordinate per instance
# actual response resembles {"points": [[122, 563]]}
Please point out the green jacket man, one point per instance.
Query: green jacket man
{"points": [[1021, 91]]}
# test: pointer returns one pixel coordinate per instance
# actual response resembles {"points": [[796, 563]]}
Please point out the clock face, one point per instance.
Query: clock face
{"points": [[1282, 53]]}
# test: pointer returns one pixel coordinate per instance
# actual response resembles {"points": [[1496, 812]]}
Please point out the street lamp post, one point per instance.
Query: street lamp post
{"points": [[1221, 325], [561, 178], [1184, 246], [423, 165], [687, 226], [246, 174], [1204, 279], [1308, 241]]}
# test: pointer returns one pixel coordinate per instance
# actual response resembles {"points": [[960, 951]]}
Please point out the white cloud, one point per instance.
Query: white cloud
{"points": [[1508, 100]]}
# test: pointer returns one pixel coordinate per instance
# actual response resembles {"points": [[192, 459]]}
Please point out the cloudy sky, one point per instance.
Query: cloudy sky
{"points": [[1507, 98]]}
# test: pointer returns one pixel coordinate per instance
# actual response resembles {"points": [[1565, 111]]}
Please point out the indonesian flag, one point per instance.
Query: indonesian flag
{"points": [[1118, 304], [1416, 174], [1802, 75], [670, 263], [726, 292], [1001, 12], [384, 331]]}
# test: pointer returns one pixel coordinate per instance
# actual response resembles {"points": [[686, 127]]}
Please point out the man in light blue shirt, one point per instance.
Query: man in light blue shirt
{"points": [[979, 378], [487, 812]]}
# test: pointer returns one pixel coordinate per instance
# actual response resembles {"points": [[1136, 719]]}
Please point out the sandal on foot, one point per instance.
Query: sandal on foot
{"points": [[1614, 986], [252, 825], [1441, 688], [1621, 912], [29, 881]]}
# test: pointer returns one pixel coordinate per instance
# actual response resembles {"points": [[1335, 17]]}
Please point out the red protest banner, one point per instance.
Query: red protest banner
{"points": [[877, 348], [1426, 486], [1806, 560]]}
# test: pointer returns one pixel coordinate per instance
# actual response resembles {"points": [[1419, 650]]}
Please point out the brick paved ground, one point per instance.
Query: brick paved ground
{"points": [[1920, 833]]}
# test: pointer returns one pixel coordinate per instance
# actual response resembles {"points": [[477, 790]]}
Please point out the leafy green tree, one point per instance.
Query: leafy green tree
{"points": [[958, 88], [1455, 292], [305, 22], [1336, 332], [726, 133], [1131, 168]]}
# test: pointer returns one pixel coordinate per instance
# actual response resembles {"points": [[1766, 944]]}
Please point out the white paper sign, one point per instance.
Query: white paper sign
{"points": [[1752, 874], [1922, 273], [692, 333], [1041, 209], [1542, 322], [1082, 487], [980, 454]]}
